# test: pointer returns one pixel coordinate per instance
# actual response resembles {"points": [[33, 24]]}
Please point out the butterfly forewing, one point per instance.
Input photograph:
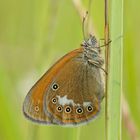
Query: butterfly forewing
{"points": [[33, 106]]}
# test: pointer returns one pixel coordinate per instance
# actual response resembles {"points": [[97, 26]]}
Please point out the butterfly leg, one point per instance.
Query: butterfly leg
{"points": [[95, 63], [104, 44]]}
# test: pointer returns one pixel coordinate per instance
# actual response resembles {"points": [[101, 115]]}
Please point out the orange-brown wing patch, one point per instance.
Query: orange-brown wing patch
{"points": [[33, 106]]}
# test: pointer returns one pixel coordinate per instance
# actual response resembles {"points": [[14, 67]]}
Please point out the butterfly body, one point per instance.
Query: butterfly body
{"points": [[71, 91]]}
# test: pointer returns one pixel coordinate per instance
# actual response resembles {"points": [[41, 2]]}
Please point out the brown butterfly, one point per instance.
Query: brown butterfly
{"points": [[71, 91]]}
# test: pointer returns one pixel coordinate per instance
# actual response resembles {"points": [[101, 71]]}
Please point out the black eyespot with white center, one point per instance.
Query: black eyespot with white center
{"points": [[68, 109], [54, 100], [59, 108], [79, 110], [55, 86], [89, 108], [36, 108]]}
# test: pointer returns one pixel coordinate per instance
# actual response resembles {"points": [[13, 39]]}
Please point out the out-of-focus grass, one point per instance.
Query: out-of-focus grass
{"points": [[33, 35], [131, 61]]}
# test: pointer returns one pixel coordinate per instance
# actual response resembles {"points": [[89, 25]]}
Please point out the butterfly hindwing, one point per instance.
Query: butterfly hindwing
{"points": [[75, 92]]}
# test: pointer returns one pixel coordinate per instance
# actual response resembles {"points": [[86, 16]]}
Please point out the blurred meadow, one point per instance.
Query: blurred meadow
{"points": [[33, 35]]}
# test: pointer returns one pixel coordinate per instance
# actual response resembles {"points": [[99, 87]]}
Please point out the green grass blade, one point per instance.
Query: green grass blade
{"points": [[115, 72]]}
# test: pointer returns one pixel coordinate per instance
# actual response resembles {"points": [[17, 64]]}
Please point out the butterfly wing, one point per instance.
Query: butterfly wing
{"points": [[33, 106], [75, 93]]}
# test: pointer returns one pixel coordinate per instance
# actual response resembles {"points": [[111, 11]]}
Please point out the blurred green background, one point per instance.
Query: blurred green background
{"points": [[33, 35]]}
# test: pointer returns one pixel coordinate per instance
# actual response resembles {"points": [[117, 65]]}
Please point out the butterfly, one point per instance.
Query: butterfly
{"points": [[71, 91]]}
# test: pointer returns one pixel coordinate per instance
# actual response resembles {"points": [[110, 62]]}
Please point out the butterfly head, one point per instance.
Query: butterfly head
{"points": [[92, 51], [90, 42]]}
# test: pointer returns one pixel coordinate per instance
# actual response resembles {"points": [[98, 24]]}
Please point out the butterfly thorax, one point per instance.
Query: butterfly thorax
{"points": [[92, 52]]}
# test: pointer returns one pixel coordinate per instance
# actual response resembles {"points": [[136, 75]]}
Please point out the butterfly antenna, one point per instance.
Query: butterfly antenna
{"points": [[89, 13], [83, 25]]}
